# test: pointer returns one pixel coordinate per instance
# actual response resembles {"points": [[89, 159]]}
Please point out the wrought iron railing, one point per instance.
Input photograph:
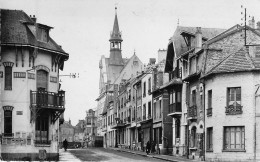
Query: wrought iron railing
{"points": [[233, 110], [47, 99], [192, 111], [173, 108]]}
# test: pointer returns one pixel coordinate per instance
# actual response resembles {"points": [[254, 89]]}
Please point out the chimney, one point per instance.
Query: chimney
{"points": [[34, 18], [258, 25], [198, 39], [251, 23]]}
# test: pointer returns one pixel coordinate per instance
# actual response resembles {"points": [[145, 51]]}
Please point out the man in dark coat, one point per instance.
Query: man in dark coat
{"points": [[65, 144], [148, 147]]}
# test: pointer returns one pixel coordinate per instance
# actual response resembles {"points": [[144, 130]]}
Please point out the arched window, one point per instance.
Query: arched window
{"points": [[42, 79], [8, 75]]}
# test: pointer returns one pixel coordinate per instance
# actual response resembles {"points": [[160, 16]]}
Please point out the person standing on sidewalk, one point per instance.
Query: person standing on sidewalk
{"points": [[65, 144], [148, 147]]}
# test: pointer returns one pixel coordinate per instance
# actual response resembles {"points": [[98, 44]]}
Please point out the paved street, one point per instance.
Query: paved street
{"points": [[101, 154]]}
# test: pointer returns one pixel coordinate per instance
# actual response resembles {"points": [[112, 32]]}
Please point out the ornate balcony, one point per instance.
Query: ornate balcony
{"points": [[119, 123], [42, 142], [47, 101], [209, 112], [233, 110], [192, 112], [175, 110]]}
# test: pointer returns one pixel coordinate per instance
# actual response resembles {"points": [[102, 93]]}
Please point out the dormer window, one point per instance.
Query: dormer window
{"points": [[42, 35]]}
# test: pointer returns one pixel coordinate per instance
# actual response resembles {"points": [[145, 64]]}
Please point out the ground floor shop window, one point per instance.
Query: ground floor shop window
{"points": [[209, 139], [234, 138], [42, 129]]}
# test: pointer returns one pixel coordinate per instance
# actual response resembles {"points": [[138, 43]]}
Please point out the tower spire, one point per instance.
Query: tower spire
{"points": [[116, 34]]}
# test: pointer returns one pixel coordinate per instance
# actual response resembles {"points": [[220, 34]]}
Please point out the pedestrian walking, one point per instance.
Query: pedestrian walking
{"points": [[148, 147], [65, 144]]}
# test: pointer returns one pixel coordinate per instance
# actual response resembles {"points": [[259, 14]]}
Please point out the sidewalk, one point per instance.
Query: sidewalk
{"points": [[67, 156], [156, 156]]}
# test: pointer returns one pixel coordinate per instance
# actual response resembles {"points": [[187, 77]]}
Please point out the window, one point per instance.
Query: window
{"points": [[209, 99], [170, 98], [178, 96], [160, 108], [42, 129], [173, 98], [234, 138], [8, 77], [193, 137], [154, 107], [42, 79], [193, 97], [149, 85], [234, 97], [177, 128], [8, 123], [144, 94], [144, 111], [149, 110], [210, 139]]}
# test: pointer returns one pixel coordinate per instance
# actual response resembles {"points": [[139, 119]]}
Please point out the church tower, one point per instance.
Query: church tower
{"points": [[115, 44]]}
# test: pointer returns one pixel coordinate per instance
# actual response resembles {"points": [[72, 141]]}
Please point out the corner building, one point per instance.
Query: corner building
{"points": [[31, 102]]}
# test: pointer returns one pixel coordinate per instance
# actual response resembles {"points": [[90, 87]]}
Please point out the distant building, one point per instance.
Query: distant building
{"points": [[112, 71], [90, 127], [31, 102], [66, 132]]}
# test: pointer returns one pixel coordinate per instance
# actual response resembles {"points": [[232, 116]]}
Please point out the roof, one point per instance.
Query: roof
{"points": [[235, 62], [17, 28], [116, 34], [179, 43]]}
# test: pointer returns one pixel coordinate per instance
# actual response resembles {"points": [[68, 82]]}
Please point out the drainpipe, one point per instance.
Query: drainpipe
{"points": [[204, 146], [255, 121]]}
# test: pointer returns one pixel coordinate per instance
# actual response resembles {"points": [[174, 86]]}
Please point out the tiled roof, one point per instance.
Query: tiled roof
{"points": [[179, 43], [15, 30], [235, 62]]}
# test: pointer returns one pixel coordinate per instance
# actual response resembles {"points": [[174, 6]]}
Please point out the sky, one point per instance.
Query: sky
{"points": [[82, 28]]}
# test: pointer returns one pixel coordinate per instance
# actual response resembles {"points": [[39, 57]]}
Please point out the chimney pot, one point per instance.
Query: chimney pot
{"points": [[258, 25]]}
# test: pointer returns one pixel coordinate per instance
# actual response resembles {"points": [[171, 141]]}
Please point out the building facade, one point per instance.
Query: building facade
{"points": [[31, 101]]}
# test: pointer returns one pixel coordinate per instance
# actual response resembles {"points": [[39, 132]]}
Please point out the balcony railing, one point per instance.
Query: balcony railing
{"points": [[192, 111], [175, 108], [209, 112], [138, 119], [149, 116], [133, 119], [44, 142], [45, 99], [233, 110]]}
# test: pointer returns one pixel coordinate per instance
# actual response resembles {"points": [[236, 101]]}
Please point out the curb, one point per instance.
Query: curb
{"points": [[151, 156]]}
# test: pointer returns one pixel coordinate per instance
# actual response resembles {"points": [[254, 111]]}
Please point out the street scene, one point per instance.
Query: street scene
{"points": [[129, 80]]}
